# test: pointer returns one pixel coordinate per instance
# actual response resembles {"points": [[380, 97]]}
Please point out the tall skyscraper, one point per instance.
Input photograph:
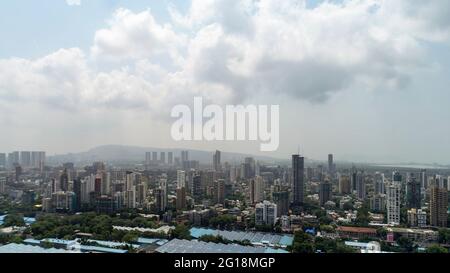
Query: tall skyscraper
{"points": [[181, 198], [106, 183], [163, 158], [345, 186], [13, 159], [281, 199], [216, 161], [64, 181], [379, 183], [423, 180], [330, 164], [37, 160], [361, 187], [256, 190], [184, 156], [131, 198], [25, 159], [413, 192], [77, 191], [354, 179], [148, 158], [298, 183], [325, 192], [2, 160], [2, 184], [265, 213], [438, 206], [165, 191], [393, 199], [219, 191], [154, 157], [181, 179], [250, 167], [197, 186], [170, 158]]}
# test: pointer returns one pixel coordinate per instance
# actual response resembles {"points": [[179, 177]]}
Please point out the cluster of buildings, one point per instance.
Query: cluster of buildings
{"points": [[258, 195]]}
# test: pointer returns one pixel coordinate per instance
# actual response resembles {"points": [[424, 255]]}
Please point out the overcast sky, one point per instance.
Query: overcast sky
{"points": [[365, 80]]}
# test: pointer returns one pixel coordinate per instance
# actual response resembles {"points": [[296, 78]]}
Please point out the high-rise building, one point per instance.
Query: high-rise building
{"points": [[160, 200], [2, 184], [170, 158], [63, 201], [184, 156], [181, 179], [216, 162], [2, 160], [265, 213], [330, 164], [197, 186], [164, 192], [417, 218], [281, 199], [345, 186], [396, 177], [37, 160], [325, 192], [148, 158], [219, 191], [256, 190], [154, 156], [25, 159], [413, 192], [438, 206], [105, 205], [181, 198], [77, 192], [298, 183], [163, 158], [249, 167], [98, 186], [13, 159], [141, 191], [378, 202], [423, 180], [379, 183], [354, 179], [64, 181], [130, 197], [106, 183], [393, 199], [361, 187]]}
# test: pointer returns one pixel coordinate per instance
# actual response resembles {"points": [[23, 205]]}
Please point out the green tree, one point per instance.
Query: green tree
{"points": [[406, 244], [303, 243], [181, 232], [436, 249], [14, 220], [362, 216]]}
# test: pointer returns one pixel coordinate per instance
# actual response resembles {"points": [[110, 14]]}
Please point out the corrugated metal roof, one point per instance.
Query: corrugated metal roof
{"points": [[20, 248], [253, 237], [184, 246]]}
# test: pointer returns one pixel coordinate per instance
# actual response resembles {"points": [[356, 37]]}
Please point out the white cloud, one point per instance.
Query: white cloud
{"points": [[73, 2], [232, 50]]}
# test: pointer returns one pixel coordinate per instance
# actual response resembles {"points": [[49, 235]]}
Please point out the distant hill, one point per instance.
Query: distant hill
{"points": [[119, 153]]}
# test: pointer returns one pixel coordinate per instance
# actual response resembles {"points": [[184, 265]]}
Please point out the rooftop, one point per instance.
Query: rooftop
{"points": [[357, 229], [184, 246], [20, 248], [253, 237]]}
